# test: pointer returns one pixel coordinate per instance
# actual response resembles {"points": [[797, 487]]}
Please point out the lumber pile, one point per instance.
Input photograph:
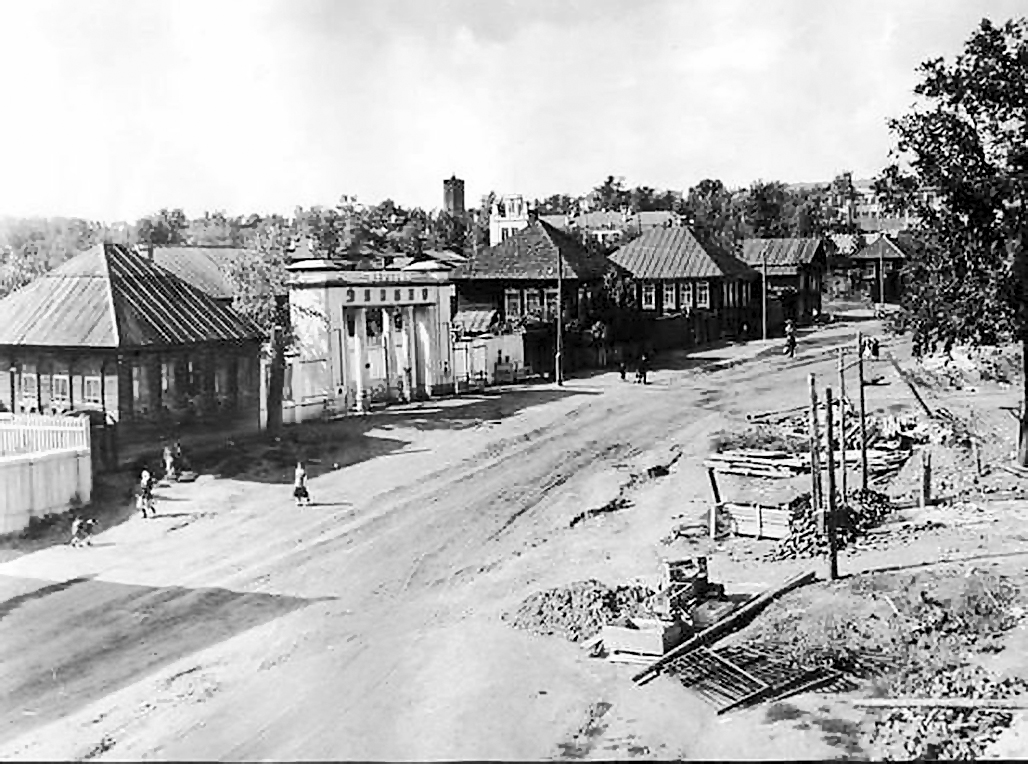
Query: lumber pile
{"points": [[758, 463]]}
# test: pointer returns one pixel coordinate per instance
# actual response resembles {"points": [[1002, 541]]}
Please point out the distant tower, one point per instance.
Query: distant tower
{"points": [[453, 196]]}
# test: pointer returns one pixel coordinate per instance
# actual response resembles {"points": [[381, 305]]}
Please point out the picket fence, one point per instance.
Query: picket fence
{"points": [[45, 467], [34, 433]]}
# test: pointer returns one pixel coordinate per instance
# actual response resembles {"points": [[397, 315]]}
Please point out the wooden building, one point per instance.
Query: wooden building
{"points": [[113, 333], [877, 269], [676, 273], [795, 271]]}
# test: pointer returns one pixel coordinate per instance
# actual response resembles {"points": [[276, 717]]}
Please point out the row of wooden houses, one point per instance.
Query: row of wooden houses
{"points": [[148, 339]]}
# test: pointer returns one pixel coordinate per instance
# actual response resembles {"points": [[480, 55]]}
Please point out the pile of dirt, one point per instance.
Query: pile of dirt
{"points": [[864, 510], [578, 611]]}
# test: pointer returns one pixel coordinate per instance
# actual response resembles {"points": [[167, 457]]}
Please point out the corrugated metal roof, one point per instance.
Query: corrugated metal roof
{"points": [[110, 296], [474, 321], [780, 252], [676, 253], [203, 267], [531, 254]]}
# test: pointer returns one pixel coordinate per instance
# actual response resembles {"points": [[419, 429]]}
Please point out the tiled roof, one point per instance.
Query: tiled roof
{"points": [[789, 253], [474, 320], [112, 297], [531, 253], [203, 267], [558, 221], [887, 247], [676, 253]]}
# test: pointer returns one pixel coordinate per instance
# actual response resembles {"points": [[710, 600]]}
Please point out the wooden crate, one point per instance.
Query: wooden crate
{"points": [[756, 520]]}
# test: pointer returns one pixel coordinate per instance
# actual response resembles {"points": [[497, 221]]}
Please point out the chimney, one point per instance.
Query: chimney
{"points": [[149, 250]]}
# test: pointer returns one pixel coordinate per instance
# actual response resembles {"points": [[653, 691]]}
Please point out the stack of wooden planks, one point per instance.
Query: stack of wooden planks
{"points": [[759, 463]]}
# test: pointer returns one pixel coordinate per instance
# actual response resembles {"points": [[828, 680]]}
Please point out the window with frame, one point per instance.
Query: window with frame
{"points": [[91, 390], [551, 303], [685, 295], [649, 297], [512, 303], [702, 294], [531, 301], [29, 390], [60, 387], [669, 298]]}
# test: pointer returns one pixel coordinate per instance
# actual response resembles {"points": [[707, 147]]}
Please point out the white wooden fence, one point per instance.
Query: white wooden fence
{"points": [[33, 433], [45, 467]]}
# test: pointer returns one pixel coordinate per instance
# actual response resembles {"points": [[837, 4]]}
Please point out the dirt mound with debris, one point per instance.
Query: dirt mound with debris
{"points": [[864, 510], [578, 611], [912, 635]]}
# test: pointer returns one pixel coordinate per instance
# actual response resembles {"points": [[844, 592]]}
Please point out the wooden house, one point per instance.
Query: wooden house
{"points": [[795, 270], [113, 333], [877, 268]]}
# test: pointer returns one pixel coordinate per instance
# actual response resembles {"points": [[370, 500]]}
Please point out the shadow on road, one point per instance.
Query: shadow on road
{"points": [[68, 644]]}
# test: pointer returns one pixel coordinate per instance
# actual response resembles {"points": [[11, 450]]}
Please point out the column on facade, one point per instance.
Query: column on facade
{"points": [[409, 371], [360, 332], [389, 346], [424, 348]]}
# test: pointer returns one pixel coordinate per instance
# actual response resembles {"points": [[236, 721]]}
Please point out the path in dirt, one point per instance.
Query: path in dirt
{"points": [[368, 627]]}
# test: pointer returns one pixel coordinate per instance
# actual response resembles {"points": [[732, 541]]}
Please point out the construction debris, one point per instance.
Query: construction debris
{"points": [[723, 627], [863, 511], [756, 520], [577, 612]]}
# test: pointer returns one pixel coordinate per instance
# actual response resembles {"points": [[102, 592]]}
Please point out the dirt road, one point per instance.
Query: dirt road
{"points": [[368, 626]]}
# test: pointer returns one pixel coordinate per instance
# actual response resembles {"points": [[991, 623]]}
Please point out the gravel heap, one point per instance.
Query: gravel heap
{"points": [[865, 510], [578, 611]]}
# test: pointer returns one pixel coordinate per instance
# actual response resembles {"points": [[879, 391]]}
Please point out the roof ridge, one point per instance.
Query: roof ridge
{"points": [[108, 279]]}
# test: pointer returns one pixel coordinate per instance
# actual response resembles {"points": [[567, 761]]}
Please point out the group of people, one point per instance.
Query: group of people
{"points": [[642, 368]]}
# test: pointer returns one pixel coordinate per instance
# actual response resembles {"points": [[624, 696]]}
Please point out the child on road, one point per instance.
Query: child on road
{"points": [[145, 501], [300, 486]]}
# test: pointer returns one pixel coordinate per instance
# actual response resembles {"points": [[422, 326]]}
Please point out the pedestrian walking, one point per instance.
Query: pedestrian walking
{"points": [[623, 369], [145, 501], [300, 486], [644, 368], [76, 523], [790, 338]]}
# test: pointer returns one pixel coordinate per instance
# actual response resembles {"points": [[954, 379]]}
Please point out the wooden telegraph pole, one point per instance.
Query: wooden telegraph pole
{"points": [[842, 422], [833, 559], [763, 303], [863, 412], [558, 374]]}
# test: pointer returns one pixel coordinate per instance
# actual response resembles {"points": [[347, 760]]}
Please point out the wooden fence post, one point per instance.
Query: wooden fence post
{"points": [[815, 458], [833, 560], [842, 422], [863, 412], [926, 478]]}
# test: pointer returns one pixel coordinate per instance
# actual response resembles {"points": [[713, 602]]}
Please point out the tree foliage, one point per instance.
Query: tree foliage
{"points": [[966, 142]]}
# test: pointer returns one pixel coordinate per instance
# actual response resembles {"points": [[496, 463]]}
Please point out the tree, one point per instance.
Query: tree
{"points": [[610, 195], [166, 227], [714, 213], [961, 166], [258, 278]]}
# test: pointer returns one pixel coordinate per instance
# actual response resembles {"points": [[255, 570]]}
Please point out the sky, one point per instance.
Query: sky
{"points": [[112, 109]]}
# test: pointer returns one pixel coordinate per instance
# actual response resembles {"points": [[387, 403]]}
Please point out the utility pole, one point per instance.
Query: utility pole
{"points": [[559, 372], [763, 292], [863, 407], [881, 280]]}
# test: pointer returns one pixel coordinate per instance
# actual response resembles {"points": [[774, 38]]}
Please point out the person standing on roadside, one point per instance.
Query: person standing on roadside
{"points": [[145, 501], [790, 338]]}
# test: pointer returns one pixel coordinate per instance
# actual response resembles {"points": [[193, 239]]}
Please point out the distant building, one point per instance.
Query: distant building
{"points": [[508, 216], [453, 196], [795, 269]]}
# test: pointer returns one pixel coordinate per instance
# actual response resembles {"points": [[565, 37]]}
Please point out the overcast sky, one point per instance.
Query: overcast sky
{"points": [[112, 109]]}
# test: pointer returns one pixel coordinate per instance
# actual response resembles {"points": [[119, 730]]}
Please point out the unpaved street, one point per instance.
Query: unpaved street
{"points": [[368, 625]]}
